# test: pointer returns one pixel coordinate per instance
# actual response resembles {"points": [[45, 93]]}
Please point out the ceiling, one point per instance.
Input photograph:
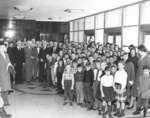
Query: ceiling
{"points": [[41, 10]]}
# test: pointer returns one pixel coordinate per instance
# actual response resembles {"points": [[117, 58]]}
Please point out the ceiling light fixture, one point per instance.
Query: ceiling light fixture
{"points": [[50, 18], [23, 8], [73, 10], [19, 17]]}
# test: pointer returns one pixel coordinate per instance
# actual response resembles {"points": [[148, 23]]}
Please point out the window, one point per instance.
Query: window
{"points": [[81, 36], [145, 13], [99, 36], [71, 36], [147, 42], [130, 36], [113, 18], [89, 23], [81, 24], [71, 26], [131, 15], [99, 21], [76, 25], [118, 40], [75, 35], [110, 39]]}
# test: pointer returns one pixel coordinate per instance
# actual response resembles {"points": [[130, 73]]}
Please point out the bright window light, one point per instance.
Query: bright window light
{"points": [[9, 34]]}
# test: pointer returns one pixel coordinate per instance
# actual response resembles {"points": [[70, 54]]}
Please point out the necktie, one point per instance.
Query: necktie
{"points": [[97, 75]]}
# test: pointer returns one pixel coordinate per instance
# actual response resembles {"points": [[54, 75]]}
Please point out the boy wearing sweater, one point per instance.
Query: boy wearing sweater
{"points": [[68, 84]]}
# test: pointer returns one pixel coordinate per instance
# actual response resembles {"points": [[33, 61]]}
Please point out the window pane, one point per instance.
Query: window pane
{"points": [[75, 36], [130, 36], [100, 21], [71, 26], [147, 42], [81, 24], [81, 36], [71, 36], [89, 23], [118, 40], [145, 13], [113, 18], [99, 36], [76, 25], [131, 15], [126, 49], [110, 39]]}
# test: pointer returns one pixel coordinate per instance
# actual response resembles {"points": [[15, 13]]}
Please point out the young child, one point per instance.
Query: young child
{"points": [[120, 83], [107, 92], [113, 69], [144, 90], [79, 77], [88, 83], [68, 84]]}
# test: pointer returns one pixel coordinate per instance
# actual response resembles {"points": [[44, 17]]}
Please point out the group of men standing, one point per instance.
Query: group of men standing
{"points": [[29, 59]]}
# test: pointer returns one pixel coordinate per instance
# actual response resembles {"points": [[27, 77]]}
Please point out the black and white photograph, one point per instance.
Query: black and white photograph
{"points": [[74, 58]]}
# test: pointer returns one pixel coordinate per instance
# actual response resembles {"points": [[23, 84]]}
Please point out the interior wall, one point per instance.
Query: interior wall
{"points": [[32, 29]]}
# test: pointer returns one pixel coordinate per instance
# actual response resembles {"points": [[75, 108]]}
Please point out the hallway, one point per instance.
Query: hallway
{"points": [[44, 106], [29, 105]]}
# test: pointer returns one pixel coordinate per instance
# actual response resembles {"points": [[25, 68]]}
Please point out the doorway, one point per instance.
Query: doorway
{"points": [[89, 36], [113, 35]]}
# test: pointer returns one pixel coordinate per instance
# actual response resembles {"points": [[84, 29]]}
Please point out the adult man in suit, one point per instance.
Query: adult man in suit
{"points": [[18, 62], [10, 51], [28, 62], [42, 61], [35, 60]]}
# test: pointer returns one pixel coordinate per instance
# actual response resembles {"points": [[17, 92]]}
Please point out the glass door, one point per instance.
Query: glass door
{"points": [[114, 38]]}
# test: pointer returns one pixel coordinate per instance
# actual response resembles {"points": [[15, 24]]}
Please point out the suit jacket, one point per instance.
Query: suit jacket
{"points": [[10, 52], [19, 56], [5, 83], [43, 53], [34, 53]]}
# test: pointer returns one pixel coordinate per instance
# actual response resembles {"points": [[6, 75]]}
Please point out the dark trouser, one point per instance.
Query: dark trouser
{"points": [[97, 102], [18, 76], [41, 72], [142, 102], [79, 92], [59, 79], [129, 88], [88, 94], [4, 95], [67, 91], [49, 77]]}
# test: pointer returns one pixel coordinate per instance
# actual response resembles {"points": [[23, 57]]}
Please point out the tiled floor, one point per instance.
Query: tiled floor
{"points": [[46, 106]]}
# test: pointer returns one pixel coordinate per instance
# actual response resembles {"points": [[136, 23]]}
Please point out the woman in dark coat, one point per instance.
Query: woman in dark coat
{"points": [[134, 59], [144, 60]]}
